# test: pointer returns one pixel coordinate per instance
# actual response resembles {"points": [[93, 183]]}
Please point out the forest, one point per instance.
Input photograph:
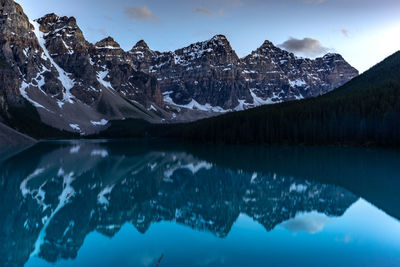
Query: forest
{"points": [[365, 111]]}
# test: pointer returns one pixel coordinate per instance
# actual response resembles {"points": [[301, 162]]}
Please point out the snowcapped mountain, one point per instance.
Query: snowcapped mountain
{"points": [[210, 76], [76, 86]]}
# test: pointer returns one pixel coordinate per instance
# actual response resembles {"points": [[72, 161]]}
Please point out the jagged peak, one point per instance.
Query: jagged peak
{"points": [[333, 58], [219, 37], [220, 40], [265, 50], [50, 16], [107, 43], [216, 43], [54, 18], [267, 44], [267, 47], [332, 55], [54, 25], [141, 45]]}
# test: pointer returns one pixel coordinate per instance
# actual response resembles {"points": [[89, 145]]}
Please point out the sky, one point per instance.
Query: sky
{"points": [[364, 32]]}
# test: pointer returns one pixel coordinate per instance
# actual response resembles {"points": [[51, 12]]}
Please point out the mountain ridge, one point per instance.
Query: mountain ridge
{"points": [[364, 111], [280, 76], [78, 87]]}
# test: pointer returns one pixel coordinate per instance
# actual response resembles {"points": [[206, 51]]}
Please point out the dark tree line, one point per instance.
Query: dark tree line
{"points": [[365, 111]]}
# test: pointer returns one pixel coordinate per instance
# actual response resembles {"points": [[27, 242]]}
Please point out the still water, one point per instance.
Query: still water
{"points": [[149, 203]]}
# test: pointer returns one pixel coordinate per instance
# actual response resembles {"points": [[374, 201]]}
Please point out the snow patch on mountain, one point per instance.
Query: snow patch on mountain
{"points": [[23, 92], [99, 123], [194, 105], [63, 76], [75, 126], [297, 83], [101, 75], [258, 101]]}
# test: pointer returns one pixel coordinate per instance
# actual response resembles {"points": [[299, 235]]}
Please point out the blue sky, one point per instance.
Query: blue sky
{"points": [[363, 31]]}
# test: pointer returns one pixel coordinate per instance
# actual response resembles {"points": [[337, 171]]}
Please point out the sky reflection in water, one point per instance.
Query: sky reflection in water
{"points": [[129, 203]]}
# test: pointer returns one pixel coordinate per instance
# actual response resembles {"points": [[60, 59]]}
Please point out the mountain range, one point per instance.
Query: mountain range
{"points": [[54, 82], [364, 111]]}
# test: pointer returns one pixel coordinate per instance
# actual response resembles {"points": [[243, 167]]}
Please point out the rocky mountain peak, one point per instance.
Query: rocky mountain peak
{"points": [[268, 49], [107, 43], [192, 76], [221, 41], [51, 65], [47, 65], [19, 60], [54, 21], [220, 38], [63, 30], [268, 46], [217, 51], [142, 45], [141, 51], [49, 18], [333, 57]]}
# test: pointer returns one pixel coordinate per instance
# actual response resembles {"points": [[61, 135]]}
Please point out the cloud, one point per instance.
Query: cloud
{"points": [[345, 32], [140, 13], [308, 47], [203, 11], [311, 223]]}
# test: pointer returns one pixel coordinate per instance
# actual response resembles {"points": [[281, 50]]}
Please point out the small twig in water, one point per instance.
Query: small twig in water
{"points": [[159, 260]]}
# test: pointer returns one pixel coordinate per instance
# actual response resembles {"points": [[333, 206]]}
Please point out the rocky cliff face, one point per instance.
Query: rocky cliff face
{"points": [[204, 75], [275, 75], [209, 75], [74, 85], [16, 39], [78, 86]]}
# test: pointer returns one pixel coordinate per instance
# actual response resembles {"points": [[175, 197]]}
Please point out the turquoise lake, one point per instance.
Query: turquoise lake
{"points": [[161, 203]]}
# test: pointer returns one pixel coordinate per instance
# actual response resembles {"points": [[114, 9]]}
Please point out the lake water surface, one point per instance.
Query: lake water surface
{"points": [[148, 202]]}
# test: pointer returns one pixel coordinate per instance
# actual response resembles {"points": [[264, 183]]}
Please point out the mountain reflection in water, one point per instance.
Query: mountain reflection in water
{"points": [[54, 194]]}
